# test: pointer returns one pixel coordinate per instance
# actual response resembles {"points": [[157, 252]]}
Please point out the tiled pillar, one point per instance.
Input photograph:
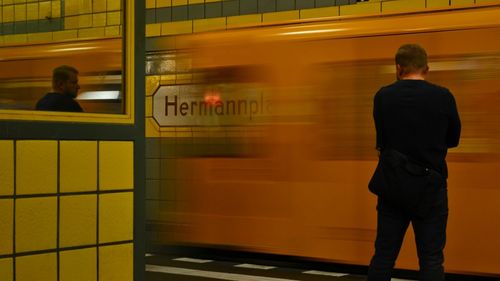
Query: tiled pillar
{"points": [[66, 210]]}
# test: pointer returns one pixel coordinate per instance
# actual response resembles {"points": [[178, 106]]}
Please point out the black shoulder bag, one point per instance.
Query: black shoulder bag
{"points": [[405, 183]]}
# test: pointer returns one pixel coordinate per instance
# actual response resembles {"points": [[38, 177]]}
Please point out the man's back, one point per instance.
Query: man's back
{"points": [[58, 102], [419, 119]]}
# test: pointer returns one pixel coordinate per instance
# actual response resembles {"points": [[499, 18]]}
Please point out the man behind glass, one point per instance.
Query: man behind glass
{"points": [[64, 90]]}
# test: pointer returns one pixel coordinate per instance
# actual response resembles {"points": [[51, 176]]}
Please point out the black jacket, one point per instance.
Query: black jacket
{"points": [[58, 102], [419, 119]]}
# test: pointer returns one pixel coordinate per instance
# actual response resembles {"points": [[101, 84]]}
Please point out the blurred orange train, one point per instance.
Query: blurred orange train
{"points": [[299, 185]]}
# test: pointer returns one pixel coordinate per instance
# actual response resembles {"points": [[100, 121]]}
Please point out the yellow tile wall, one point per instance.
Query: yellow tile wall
{"points": [[209, 24], [6, 167], [177, 27], [56, 9], [6, 269], [462, 2], [45, 9], [113, 5], [98, 6], [40, 37], [36, 223], [66, 214], [153, 30], [152, 128], [149, 106], [32, 11], [20, 12], [78, 166], [37, 267], [150, 4], [112, 31], [179, 2], [370, 7], [438, 3], [360, 8], [113, 18], [319, 12], [36, 167], [116, 169], [85, 6], [71, 7], [115, 262], [96, 32], [163, 3], [78, 225], [85, 21], [281, 16], [78, 14], [245, 20], [403, 5], [99, 19], [152, 84], [65, 35], [116, 217], [78, 265], [15, 39], [8, 13], [71, 22], [6, 226]]}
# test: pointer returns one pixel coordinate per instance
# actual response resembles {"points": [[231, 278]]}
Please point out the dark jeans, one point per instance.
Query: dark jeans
{"points": [[430, 237]]}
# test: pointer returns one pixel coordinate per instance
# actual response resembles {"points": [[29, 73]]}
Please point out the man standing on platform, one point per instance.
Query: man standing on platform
{"points": [[416, 122]]}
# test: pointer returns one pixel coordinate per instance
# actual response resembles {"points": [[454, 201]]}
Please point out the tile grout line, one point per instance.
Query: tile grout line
{"points": [[58, 214]]}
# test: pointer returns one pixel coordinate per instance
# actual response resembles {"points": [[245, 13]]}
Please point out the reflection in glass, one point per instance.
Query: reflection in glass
{"points": [[26, 73]]}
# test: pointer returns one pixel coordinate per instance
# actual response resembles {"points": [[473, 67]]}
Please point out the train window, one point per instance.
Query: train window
{"points": [[104, 65]]}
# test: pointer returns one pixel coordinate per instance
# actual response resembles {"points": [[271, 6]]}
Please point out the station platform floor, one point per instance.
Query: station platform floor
{"points": [[198, 264], [174, 268]]}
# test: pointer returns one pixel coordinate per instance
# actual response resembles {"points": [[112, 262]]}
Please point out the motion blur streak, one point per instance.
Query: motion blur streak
{"points": [[293, 179]]}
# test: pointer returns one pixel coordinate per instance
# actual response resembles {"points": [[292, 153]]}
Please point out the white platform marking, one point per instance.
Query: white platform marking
{"points": [[210, 274], [192, 260], [397, 279], [149, 255], [255, 266], [326, 273]]}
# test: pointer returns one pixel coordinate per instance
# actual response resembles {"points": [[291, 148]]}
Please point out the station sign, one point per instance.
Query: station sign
{"points": [[197, 105]]}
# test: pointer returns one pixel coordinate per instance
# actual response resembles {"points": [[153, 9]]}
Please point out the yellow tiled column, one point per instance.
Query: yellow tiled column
{"points": [[116, 210], [116, 217], [78, 265], [6, 269], [36, 167], [36, 224], [37, 267], [78, 220], [6, 226], [116, 166], [116, 262], [60, 209], [360, 8], [6, 167], [78, 166], [403, 5]]}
